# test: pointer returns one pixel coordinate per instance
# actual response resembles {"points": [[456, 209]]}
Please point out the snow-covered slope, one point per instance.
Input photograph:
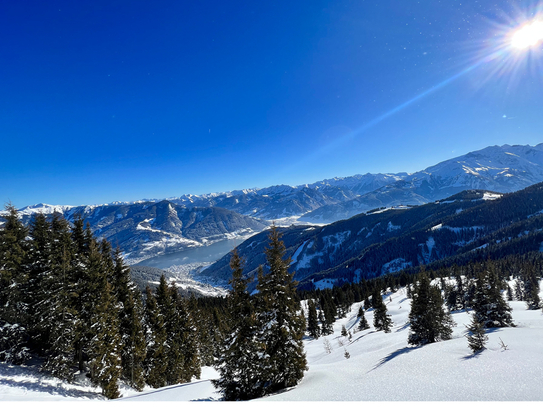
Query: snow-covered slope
{"points": [[381, 367]]}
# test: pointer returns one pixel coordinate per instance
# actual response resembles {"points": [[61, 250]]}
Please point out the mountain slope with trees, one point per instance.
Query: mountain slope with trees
{"points": [[467, 225]]}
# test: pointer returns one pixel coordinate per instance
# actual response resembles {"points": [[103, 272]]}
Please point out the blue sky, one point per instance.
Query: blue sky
{"points": [[123, 100]]}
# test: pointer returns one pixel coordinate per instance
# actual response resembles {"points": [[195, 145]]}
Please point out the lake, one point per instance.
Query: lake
{"points": [[204, 254]]}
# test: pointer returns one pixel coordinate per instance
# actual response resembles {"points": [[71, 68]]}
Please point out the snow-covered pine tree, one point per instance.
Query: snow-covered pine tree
{"points": [[131, 324], [281, 321], [239, 354], [13, 276], [14, 249], [173, 353], [156, 361], [82, 295], [329, 316], [185, 336], [476, 336], [57, 315], [104, 340], [312, 320], [381, 320], [531, 287], [489, 305], [429, 322], [363, 324]]}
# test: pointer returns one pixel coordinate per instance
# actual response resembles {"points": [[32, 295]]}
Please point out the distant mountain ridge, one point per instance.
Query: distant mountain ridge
{"points": [[506, 168], [471, 223], [498, 168], [501, 169], [151, 228]]}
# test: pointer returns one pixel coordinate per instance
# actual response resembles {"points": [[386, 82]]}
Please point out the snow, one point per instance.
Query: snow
{"points": [[488, 196], [381, 367], [395, 265], [325, 283], [391, 227], [298, 251]]}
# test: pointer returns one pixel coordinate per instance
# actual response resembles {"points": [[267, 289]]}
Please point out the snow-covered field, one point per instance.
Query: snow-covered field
{"points": [[381, 367]]}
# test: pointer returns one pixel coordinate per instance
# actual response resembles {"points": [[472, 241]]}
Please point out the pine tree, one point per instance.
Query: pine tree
{"points": [[57, 315], [238, 358], [363, 324], [61, 320], [312, 320], [103, 345], [489, 305], [83, 293], [428, 320], [531, 287], [381, 320], [131, 324], [14, 249], [173, 353], [156, 360], [281, 321], [14, 310], [186, 335], [476, 337]]}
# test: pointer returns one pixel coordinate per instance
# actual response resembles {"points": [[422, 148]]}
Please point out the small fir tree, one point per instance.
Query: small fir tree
{"points": [[476, 336], [312, 320], [429, 322], [489, 305], [381, 320], [363, 324]]}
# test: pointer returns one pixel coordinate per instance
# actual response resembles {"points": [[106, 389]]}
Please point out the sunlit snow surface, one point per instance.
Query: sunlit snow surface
{"points": [[381, 367]]}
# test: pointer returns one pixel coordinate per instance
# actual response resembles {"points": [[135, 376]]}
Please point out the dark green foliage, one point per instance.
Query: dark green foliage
{"points": [[476, 337], [58, 317], [344, 331], [530, 285], [104, 340], [156, 361], [281, 322], [363, 324], [429, 322], [185, 337], [312, 320], [13, 340], [238, 359], [131, 324], [66, 298], [381, 320], [14, 250], [490, 307]]}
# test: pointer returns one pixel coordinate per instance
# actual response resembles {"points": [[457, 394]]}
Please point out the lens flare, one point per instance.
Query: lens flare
{"points": [[528, 36]]}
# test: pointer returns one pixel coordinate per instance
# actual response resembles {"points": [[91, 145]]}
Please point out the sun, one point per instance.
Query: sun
{"points": [[528, 36]]}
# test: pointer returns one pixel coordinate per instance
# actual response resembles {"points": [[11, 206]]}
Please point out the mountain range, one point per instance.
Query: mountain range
{"points": [[148, 229], [470, 224], [151, 227]]}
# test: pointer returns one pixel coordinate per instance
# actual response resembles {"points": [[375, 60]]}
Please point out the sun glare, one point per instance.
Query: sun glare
{"points": [[528, 36]]}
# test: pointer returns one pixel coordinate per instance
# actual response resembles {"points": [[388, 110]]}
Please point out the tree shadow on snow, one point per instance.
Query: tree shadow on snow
{"points": [[394, 354], [472, 356], [56, 390]]}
